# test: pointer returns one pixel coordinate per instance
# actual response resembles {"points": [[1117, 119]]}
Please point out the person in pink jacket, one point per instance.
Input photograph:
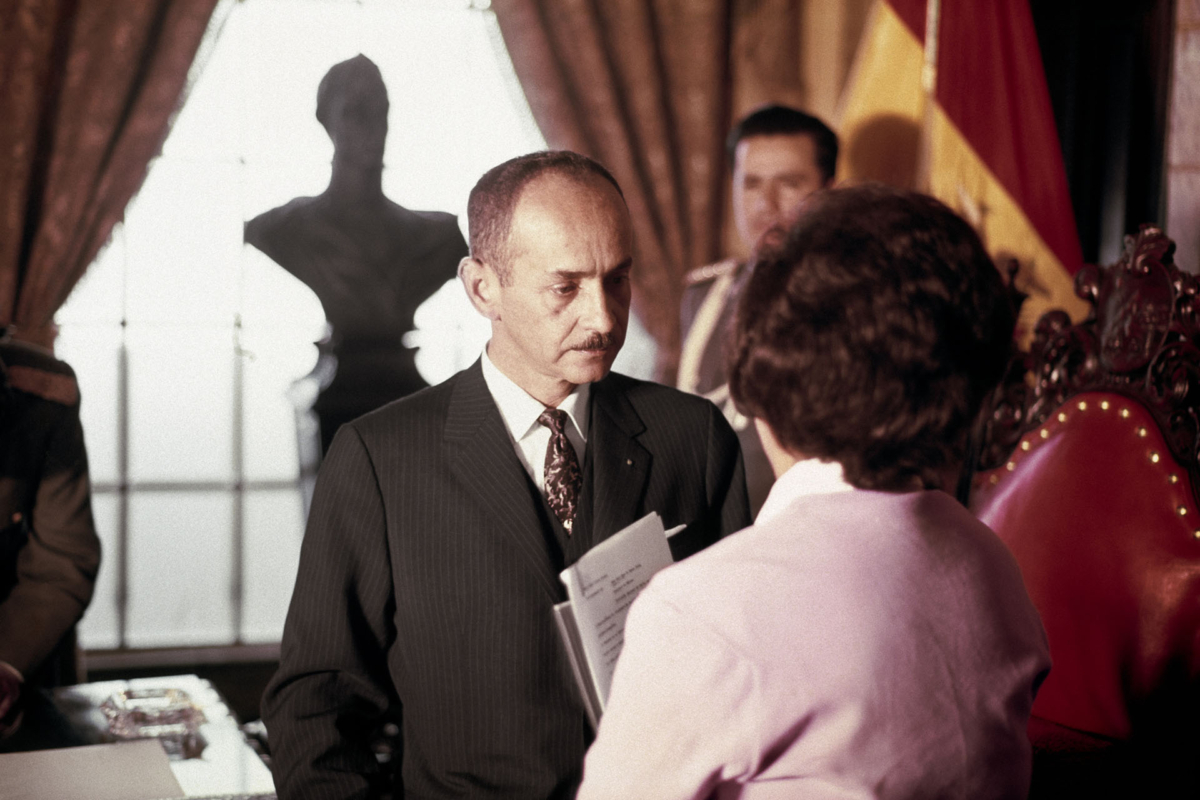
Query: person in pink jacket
{"points": [[866, 637]]}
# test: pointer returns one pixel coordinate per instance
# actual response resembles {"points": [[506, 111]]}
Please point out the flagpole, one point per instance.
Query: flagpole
{"points": [[933, 10]]}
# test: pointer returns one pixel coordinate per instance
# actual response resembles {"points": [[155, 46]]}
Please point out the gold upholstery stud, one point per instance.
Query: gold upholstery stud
{"points": [[1141, 431], [1124, 413], [1045, 434], [1182, 511], [1083, 405], [1010, 466], [1153, 458], [994, 479], [1196, 534], [1025, 445], [1173, 478], [1062, 417], [1104, 405]]}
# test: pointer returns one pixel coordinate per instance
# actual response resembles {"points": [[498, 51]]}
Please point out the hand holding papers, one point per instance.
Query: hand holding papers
{"points": [[602, 585]]}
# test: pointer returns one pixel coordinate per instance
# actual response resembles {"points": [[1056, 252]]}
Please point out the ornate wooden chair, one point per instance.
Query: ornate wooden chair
{"points": [[1089, 472]]}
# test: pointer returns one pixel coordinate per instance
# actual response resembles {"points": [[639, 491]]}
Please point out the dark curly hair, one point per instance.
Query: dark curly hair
{"points": [[871, 335]]}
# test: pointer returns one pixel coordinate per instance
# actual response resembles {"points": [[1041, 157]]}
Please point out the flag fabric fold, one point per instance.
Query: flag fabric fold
{"points": [[983, 140]]}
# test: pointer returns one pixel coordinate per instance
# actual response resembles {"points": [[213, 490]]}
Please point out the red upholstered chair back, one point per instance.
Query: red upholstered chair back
{"points": [[1091, 479]]}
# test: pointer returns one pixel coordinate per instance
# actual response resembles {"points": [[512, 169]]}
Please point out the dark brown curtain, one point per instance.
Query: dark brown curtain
{"points": [[642, 86], [87, 91]]}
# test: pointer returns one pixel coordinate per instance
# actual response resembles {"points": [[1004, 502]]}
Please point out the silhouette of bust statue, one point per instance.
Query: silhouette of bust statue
{"points": [[370, 261]]}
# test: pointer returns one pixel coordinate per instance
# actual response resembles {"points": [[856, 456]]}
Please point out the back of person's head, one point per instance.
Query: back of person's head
{"points": [[358, 75], [776, 120], [871, 335], [494, 198]]}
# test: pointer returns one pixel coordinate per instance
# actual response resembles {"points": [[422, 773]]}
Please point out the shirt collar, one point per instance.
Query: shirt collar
{"points": [[520, 411], [807, 477]]}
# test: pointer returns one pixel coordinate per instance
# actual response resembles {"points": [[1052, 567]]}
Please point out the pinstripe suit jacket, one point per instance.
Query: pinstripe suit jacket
{"points": [[427, 577]]}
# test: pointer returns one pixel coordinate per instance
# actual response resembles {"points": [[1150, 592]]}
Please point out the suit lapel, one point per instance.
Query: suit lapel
{"points": [[620, 465], [482, 457]]}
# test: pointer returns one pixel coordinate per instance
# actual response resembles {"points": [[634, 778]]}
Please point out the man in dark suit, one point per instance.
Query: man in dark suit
{"points": [[441, 521]]}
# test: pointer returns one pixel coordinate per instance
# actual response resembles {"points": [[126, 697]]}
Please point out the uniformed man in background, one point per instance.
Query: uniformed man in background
{"points": [[49, 552], [779, 156]]}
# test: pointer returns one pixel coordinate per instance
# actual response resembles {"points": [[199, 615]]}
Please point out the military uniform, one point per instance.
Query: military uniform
{"points": [[49, 552], [707, 315]]}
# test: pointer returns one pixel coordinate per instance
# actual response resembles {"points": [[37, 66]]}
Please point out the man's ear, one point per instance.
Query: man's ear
{"points": [[482, 285]]}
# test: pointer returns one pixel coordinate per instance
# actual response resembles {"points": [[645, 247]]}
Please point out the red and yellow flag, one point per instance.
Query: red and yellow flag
{"points": [[969, 121]]}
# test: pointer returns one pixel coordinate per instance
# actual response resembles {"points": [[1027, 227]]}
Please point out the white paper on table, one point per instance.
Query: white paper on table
{"points": [[133, 770]]}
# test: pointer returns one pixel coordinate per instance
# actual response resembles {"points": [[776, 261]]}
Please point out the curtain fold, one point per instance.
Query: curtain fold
{"points": [[87, 92], [644, 87]]}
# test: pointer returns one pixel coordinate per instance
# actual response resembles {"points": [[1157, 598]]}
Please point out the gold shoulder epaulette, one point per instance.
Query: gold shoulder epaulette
{"points": [[709, 272]]}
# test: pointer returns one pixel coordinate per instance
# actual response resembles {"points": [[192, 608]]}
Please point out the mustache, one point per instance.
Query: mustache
{"points": [[597, 341]]}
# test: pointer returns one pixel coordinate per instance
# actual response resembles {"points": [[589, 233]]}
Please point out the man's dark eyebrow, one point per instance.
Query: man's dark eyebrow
{"points": [[573, 275], [568, 275]]}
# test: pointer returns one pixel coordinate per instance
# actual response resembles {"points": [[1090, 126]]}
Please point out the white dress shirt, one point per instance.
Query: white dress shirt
{"points": [[520, 413]]}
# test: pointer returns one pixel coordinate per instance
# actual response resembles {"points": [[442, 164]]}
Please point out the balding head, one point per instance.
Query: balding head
{"points": [[495, 196]]}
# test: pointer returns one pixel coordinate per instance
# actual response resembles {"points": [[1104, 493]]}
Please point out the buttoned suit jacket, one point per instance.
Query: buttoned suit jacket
{"points": [[427, 577]]}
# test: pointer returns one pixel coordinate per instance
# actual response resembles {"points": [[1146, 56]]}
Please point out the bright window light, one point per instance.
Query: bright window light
{"points": [[186, 341]]}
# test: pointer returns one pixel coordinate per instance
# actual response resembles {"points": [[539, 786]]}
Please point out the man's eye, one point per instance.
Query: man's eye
{"points": [[564, 289], [617, 279]]}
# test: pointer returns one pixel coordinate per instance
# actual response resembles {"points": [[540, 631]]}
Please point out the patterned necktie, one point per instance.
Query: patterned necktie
{"points": [[563, 477]]}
